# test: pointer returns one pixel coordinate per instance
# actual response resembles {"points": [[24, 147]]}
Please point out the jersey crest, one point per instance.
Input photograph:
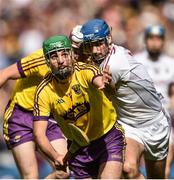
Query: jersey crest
{"points": [[77, 111], [77, 89]]}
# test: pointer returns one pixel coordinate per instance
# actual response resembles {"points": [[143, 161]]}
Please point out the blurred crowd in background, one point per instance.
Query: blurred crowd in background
{"points": [[24, 24]]}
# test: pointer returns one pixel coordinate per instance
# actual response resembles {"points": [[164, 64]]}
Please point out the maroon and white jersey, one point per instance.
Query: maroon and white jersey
{"points": [[133, 94]]}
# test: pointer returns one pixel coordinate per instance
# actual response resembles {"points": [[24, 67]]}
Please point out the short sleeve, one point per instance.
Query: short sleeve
{"points": [[30, 64], [42, 103], [86, 73]]}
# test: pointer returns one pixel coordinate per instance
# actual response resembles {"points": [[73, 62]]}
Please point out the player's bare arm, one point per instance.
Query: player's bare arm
{"points": [[10, 72], [46, 147], [42, 140]]}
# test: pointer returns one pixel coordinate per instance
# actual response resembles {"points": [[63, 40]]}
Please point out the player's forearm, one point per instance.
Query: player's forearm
{"points": [[98, 82], [46, 147], [10, 72], [3, 78]]}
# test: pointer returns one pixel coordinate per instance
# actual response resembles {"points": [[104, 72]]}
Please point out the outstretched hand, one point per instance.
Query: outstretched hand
{"points": [[107, 77]]}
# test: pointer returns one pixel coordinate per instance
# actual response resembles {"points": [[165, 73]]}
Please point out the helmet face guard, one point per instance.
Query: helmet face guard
{"points": [[62, 72], [96, 57], [95, 32], [52, 47]]}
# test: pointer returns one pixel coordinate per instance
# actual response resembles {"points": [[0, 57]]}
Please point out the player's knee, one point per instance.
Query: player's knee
{"points": [[130, 170]]}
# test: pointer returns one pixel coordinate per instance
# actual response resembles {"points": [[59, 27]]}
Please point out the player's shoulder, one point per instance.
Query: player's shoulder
{"points": [[45, 83], [119, 56], [86, 70], [84, 66], [79, 64], [118, 51], [34, 56], [37, 54]]}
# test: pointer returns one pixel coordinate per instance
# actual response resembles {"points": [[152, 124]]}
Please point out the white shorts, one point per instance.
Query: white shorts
{"points": [[154, 136]]}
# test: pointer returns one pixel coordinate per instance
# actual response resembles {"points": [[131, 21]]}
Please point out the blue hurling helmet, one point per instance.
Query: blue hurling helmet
{"points": [[95, 31], [155, 30]]}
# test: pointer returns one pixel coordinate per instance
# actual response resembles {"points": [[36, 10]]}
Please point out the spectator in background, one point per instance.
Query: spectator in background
{"points": [[158, 64], [160, 67]]}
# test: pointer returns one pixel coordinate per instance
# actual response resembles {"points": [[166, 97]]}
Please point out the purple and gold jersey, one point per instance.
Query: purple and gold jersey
{"points": [[79, 103], [32, 68]]}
